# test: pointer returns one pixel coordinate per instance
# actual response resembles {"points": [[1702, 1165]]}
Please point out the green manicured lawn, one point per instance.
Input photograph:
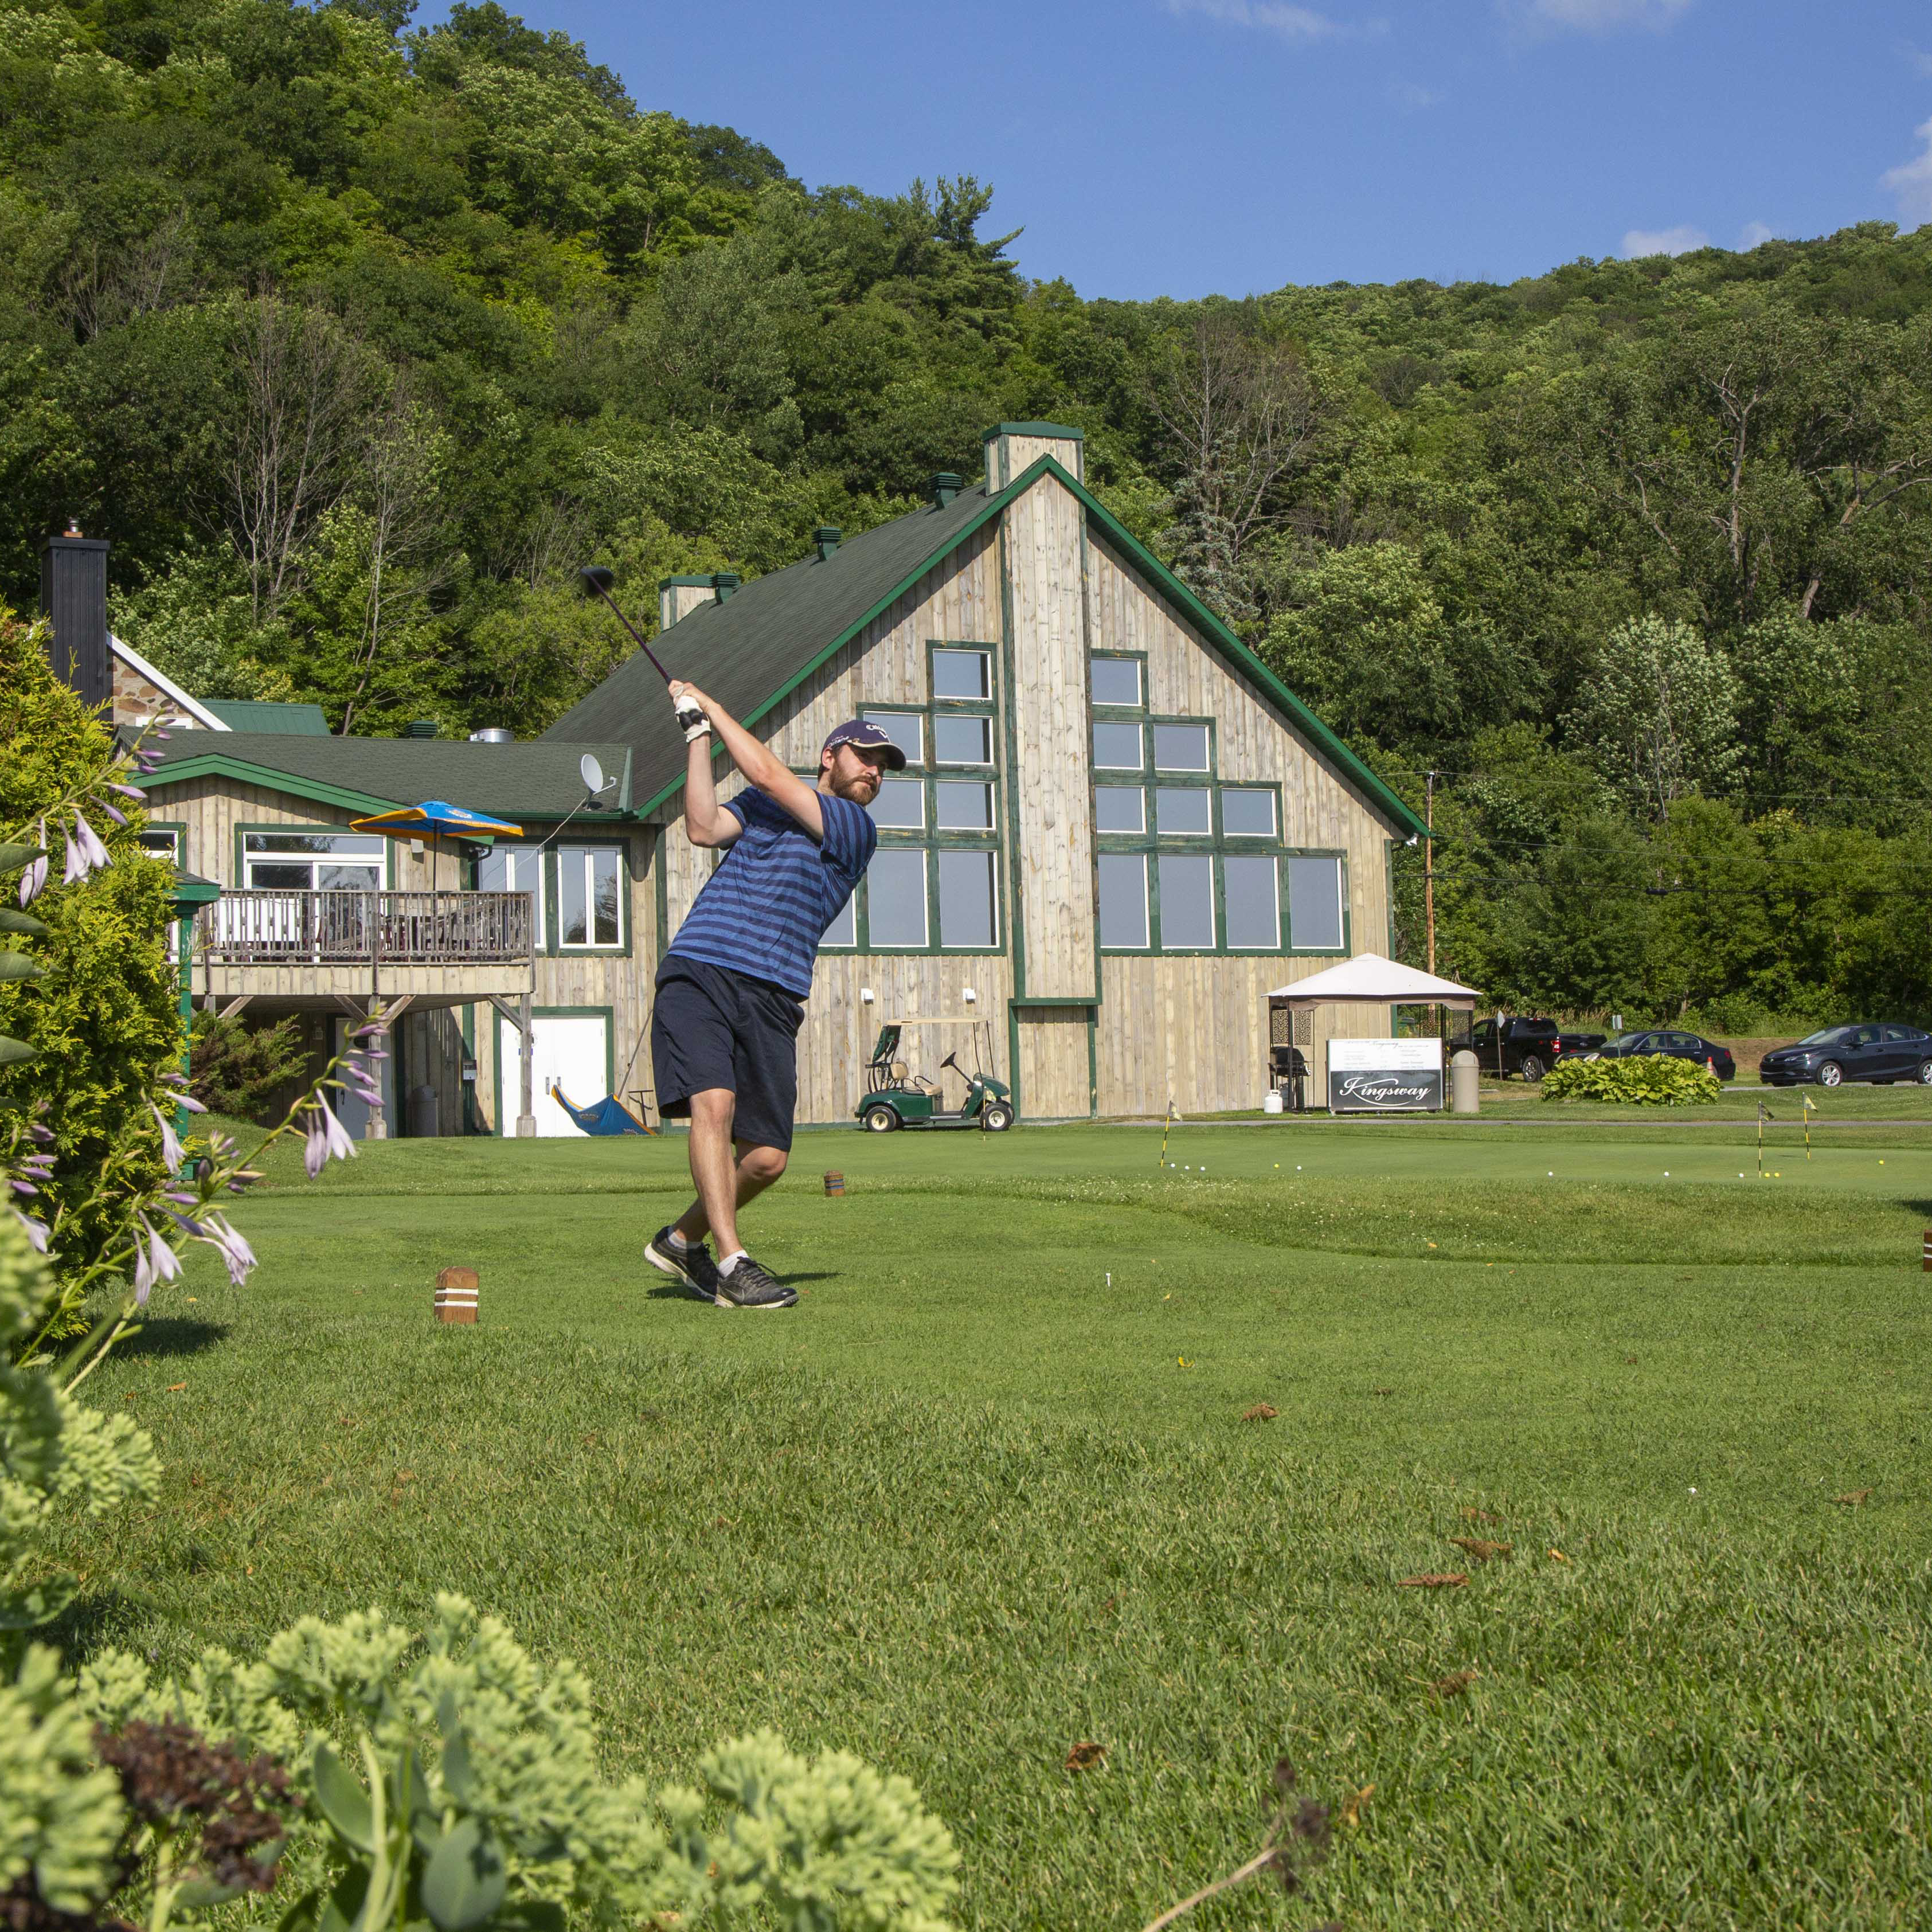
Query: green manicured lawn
{"points": [[989, 1492]]}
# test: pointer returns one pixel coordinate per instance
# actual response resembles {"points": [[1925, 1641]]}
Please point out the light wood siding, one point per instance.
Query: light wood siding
{"points": [[1195, 1029], [1008, 456], [1041, 548], [1054, 1081]]}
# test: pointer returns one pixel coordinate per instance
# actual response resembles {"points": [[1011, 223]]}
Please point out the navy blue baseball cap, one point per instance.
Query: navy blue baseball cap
{"points": [[865, 736]]}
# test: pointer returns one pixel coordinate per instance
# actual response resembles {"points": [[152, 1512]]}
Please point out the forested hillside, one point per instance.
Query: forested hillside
{"points": [[356, 339]]}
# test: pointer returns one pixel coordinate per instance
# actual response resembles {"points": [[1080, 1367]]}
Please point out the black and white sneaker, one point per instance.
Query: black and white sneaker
{"points": [[691, 1264], [748, 1285]]}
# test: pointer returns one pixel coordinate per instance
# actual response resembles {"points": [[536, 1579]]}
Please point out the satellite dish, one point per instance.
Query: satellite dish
{"points": [[592, 773]]}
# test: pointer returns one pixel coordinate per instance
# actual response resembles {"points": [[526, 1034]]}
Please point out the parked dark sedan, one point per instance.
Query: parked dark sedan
{"points": [[1676, 1046], [1879, 1054]]}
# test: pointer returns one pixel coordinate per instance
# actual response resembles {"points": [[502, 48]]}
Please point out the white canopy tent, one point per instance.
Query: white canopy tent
{"points": [[1369, 980]]}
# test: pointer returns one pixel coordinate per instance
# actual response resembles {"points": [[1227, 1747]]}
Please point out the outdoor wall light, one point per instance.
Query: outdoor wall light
{"points": [[866, 994], [970, 996]]}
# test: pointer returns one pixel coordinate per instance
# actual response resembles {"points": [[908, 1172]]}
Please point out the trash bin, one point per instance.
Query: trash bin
{"points": [[1464, 1069], [422, 1112]]}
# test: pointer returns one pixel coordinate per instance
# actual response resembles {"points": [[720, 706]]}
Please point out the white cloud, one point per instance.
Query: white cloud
{"points": [[1301, 26], [1754, 235], [1409, 94], [1912, 182], [1679, 240], [1596, 16]]}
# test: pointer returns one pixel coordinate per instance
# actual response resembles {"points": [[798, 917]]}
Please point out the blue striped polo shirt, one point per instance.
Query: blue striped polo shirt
{"points": [[766, 908]]}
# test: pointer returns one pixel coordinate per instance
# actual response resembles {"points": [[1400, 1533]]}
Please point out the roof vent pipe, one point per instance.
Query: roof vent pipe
{"points": [[725, 582], [827, 537], [493, 734], [943, 488], [422, 727]]}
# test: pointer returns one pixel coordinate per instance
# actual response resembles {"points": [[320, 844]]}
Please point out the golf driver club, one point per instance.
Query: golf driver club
{"points": [[600, 579]]}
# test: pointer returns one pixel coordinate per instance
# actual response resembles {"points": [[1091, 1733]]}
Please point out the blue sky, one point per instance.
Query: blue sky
{"points": [[1185, 147]]}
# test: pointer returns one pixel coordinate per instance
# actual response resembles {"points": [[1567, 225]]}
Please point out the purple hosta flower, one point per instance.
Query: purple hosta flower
{"points": [[328, 1139], [45, 1135], [129, 791], [22, 1187], [222, 1234], [33, 879], [85, 852], [36, 1231], [183, 1200], [113, 812], [189, 1226], [97, 855], [357, 1078], [155, 1261], [171, 1148]]}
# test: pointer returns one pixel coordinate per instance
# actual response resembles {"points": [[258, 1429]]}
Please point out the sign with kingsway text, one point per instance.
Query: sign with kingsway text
{"points": [[1384, 1076]]}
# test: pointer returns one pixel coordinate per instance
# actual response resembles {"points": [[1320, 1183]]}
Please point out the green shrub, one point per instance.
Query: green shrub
{"points": [[103, 1017], [240, 1070], [1648, 1080]]}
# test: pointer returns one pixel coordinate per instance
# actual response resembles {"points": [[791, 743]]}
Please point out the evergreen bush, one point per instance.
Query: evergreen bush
{"points": [[238, 1069], [1648, 1080]]}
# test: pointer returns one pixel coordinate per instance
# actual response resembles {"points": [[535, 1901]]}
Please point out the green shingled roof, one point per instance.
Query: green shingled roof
{"points": [[765, 639], [534, 780], [256, 715]]}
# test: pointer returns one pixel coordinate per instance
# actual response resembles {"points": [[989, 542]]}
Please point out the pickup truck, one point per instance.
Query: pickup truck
{"points": [[1506, 1045]]}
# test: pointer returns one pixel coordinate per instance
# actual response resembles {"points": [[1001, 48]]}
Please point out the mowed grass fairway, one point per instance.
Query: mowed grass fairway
{"points": [[973, 1502]]}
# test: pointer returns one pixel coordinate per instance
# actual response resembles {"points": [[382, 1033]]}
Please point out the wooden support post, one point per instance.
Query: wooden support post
{"points": [[527, 1119], [379, 1124]]}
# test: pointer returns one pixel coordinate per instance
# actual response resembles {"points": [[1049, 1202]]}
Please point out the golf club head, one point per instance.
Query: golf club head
{"points": [[598, 578]]}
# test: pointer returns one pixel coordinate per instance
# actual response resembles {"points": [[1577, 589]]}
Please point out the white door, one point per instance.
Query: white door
{"points": [[571, 1053]]}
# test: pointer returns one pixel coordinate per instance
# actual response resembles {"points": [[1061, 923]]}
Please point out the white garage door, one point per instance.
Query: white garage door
{"points": [[571, 1053]]}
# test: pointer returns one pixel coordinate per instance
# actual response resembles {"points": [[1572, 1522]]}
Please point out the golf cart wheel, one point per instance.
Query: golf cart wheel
{"points": [[1533, 1069], [1925, 1073], [998, 1118], [1831, 1074], [880, 1120]]}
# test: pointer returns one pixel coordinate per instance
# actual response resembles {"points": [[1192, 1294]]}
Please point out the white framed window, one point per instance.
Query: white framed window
{"points": [[1120, 807], [895, 897], [590, 897], [1116, 747], [968, 909], [900, 806], [1123, 899], [312, 862], [516, 868], [962, 805], [1314, 908], [1251, 903], [1186, 902], [1247, 812], [162, 842], [904, 728], [959, 739], [1180, 747], [1114, 680], [1184, 811], [962, 674]]}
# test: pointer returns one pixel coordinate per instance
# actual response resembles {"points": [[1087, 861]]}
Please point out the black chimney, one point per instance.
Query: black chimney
{"points": [[74, 595]]}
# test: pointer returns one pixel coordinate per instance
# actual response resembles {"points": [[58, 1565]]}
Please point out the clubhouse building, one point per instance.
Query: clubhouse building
{"points": [[1116, 831]]}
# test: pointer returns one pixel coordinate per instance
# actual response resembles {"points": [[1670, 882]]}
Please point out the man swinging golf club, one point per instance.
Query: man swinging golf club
{"points": [[724, 1028]]}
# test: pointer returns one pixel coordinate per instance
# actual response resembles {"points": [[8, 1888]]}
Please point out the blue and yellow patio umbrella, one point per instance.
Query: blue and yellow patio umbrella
{"points": [[436, 818]]}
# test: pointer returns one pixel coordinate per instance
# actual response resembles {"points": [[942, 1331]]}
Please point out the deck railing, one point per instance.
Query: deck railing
{"points": [[284, 928]]}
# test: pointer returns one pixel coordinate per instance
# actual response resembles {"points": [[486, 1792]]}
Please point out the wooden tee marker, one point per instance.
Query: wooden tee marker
{"points": [[1927, 1251], [835, 1181], [456, 1294]]}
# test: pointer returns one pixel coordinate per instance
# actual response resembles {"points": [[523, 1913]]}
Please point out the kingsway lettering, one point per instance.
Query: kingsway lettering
{"points": [[1377, 1090]]}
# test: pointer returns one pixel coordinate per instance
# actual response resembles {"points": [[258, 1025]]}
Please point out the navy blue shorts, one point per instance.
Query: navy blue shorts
{"points": [[713, 1028]]}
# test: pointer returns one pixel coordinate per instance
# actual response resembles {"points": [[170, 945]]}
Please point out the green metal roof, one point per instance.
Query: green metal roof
{"points": [[532, 780], [254, 715], [766, 639]]}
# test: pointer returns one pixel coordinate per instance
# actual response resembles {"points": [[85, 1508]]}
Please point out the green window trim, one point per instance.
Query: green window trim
{"points": [[1121, 712], [1151, 853], [556, 948], [240, 874]]}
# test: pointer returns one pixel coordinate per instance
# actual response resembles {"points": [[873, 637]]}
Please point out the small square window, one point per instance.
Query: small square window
{"points": [[1184, 811], [962, 674], [903, 728], [1251, 895], [895, 897], [1180, 747], [962, 741], [1123, 899], [1117, 747], [963, 805], [1120, 808], [1115, 680], [1247, 814], [900, 806], [159, 844], [966, 899], [1186, 902]]}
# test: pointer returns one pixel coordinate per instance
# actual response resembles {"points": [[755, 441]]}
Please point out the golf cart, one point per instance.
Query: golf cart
{"points": [[895, 1098]]}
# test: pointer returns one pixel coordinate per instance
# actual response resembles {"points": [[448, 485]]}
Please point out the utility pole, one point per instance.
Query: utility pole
{"points": [[1429, 868]]}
